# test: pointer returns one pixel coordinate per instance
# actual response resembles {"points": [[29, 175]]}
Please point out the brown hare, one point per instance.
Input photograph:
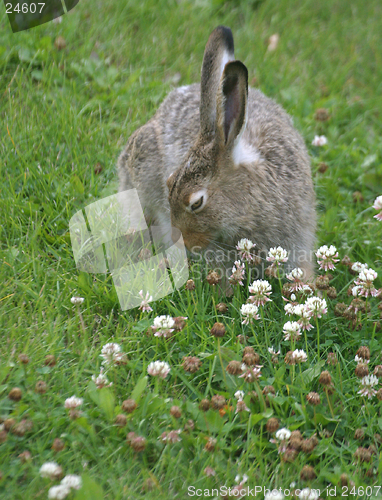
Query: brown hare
{"points": [[222, 162]]}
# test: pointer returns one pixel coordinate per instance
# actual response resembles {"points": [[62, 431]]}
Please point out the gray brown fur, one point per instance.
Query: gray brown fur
{"points": [[269, 201]]}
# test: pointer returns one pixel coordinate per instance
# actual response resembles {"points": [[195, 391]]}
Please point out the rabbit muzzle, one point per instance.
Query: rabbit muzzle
{"points": [[194, 242]]}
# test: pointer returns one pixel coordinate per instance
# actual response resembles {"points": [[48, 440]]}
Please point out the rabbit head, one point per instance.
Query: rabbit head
{"points": [[202, 189]]}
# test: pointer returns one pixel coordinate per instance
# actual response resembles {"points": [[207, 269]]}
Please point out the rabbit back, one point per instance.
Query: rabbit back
{"points": [[281, 202], [157, 149]]}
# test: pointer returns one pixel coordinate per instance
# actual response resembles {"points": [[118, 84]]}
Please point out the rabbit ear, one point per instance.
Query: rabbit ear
{"points": [[218, 52], [231, 102]]}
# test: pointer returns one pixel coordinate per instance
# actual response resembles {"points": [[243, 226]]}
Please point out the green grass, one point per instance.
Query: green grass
{"points": [[67, 114]]}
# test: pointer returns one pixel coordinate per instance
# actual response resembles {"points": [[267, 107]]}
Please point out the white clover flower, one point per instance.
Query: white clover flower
{"points": [[72, 481], [260, 290], [365, 284], [306, 290], [277, 255], [296, 276], [319, 140], [238, 273], [289, 308], [249, 312], [144, 307], [111, 353], [101, 380], [358, 359], [326, 257], [58, 492], [274, 495], [273, 352], [368, 384], [355, 290], [163, 322], [292, 330], [163, 326], [378, 203], [317, 306], [171, 436], [244, 480], [239, 395], [250, 373], [305, 316], [299, 356], [358, 267], [368, 275], [378, 206], [293, 297], [244, 247], [50, 470], [77, 300], [283, 434], [158, 369], [308, 494], [73, 402]]}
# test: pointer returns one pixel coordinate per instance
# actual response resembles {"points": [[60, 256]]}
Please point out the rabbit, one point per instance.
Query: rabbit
{"points": [[220, 162]]}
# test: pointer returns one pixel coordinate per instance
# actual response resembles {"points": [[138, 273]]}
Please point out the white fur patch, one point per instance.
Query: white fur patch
{"points": [[183, 89], [226, 58], [244, 153]]}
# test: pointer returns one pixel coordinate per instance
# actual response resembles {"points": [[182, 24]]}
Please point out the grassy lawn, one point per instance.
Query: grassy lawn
{"points": [[65, 114]]}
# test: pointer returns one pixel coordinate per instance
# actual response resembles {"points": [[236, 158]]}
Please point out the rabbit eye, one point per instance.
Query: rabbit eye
{"points": [[197, 204], [196, 201]]}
